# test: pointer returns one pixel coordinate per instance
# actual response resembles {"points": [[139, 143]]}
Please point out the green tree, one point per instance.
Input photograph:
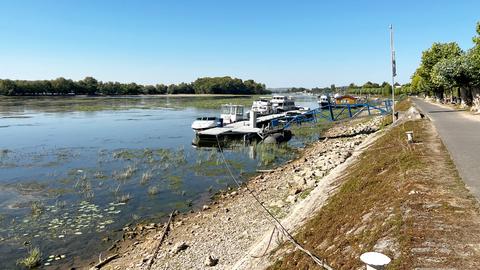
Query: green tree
{"points": [[88, 86], [431, 57]]}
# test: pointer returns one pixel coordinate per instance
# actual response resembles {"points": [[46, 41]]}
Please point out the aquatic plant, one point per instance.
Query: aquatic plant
{"points": [[153, 190], [84, 187], [268, 154], [32, 260], [124, 198], [127, 174], [146, 176], [36, 208], [99, 175]]}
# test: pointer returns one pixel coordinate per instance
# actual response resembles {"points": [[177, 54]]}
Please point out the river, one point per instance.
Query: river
{"points": [[74, 171]]}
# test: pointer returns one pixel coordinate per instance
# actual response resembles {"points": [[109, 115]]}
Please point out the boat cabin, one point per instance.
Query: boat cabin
{"points": [[232, 113], [346, 99]]}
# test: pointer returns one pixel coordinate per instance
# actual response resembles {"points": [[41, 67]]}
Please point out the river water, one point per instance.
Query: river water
{"points": [[75, 170]]}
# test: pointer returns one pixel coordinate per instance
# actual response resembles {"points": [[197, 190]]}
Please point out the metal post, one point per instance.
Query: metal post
{"points": [[332, 117], [394, 71]]}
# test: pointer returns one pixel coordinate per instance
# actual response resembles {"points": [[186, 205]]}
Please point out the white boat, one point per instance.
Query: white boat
{"points": [[262, 106], [232, 113], [203, 123], [323, 101], [283, 104]]}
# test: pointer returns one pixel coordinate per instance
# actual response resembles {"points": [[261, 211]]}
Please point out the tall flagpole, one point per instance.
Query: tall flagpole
{"points": [[394, 72]]}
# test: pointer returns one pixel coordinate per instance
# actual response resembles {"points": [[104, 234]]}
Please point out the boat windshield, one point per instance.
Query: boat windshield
{"points": [[232, 109]]}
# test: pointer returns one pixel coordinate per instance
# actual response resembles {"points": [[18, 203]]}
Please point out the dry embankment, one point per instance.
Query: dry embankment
{"points": [[224, 231], [405, 200]]}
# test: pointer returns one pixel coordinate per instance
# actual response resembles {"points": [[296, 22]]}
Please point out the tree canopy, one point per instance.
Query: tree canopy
{"points": [[446, 67]]}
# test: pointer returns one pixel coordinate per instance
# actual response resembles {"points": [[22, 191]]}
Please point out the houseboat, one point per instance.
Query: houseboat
{"points": [[262, 106], [282, 104]]}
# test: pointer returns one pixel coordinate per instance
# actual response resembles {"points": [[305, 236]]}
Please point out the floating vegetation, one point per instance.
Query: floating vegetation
{"points": [[175, 181], [153, 190], [30, 187], [32, 259]]}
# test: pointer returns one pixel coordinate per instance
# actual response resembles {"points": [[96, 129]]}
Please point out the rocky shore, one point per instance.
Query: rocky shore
{"points": [[222, 233]]}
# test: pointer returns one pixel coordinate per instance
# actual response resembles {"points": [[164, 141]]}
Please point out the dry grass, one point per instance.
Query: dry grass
{"points": [[403, 105], [375, 209]]}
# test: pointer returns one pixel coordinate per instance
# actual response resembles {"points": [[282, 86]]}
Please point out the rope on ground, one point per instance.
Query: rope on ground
{"points": [[268, 245], [276, 222], [165, 231]]}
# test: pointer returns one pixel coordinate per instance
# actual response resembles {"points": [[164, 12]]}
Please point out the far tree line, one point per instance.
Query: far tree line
{"points": [[91, 86], [368, 88]]}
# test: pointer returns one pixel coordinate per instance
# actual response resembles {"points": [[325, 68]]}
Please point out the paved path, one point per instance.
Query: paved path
{"points": [[460, 133]]}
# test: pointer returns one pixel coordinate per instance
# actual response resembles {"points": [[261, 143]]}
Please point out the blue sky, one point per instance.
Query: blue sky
{"points": [[280, 43]]}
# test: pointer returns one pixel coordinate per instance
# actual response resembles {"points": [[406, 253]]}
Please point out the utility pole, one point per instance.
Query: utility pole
{"points": [[394, 72]]}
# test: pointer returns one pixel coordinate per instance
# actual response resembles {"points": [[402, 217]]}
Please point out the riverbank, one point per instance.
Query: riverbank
{"points": [[404, 200], [226, 229]]}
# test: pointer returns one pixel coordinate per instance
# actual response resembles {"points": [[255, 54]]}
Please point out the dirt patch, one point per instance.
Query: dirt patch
{"points": [[405, 200]]}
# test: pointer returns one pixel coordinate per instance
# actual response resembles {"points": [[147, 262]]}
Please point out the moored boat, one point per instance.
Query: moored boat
{"points": [[262, 106], [203, 123], [232, 113], [282, 104]]}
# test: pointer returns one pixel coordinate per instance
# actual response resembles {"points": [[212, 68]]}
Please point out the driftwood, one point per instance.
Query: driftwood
{"points": [[265, 171], [102, 263], [165, 231]]}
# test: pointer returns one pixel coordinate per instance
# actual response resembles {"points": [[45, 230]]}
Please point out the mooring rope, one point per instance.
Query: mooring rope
{"points": [[276, 222]]}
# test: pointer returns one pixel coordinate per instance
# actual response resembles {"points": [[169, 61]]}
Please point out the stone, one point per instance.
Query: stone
{"points": [[205, 207], [179, 247], [291, 199], [295, 190], [211, 261]]}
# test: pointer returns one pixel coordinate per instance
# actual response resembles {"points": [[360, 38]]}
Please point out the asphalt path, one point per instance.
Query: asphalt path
{"points": [[460, 132]]}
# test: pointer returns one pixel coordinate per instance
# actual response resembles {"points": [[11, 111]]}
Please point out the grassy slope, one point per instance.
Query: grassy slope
{"points": [[374, 208]]}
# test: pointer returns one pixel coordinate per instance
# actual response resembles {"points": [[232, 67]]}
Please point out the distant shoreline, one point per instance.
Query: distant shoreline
{"points": [[153, 95]]}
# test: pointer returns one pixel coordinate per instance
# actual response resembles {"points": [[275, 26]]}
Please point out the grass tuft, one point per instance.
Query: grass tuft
{"points": [[32, 260]]}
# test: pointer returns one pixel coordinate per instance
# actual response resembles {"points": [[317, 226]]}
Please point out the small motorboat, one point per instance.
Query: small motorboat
{"points": [[203, 123], [323, 101]]}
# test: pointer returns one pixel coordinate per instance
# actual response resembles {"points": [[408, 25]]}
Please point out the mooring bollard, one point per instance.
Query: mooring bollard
{"points": [[375, 260], [253, 119], [409, 136]]}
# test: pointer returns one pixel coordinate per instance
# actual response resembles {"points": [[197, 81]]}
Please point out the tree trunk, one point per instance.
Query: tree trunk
{"points": [[476, 99], [439, 94], [466, 96]]}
